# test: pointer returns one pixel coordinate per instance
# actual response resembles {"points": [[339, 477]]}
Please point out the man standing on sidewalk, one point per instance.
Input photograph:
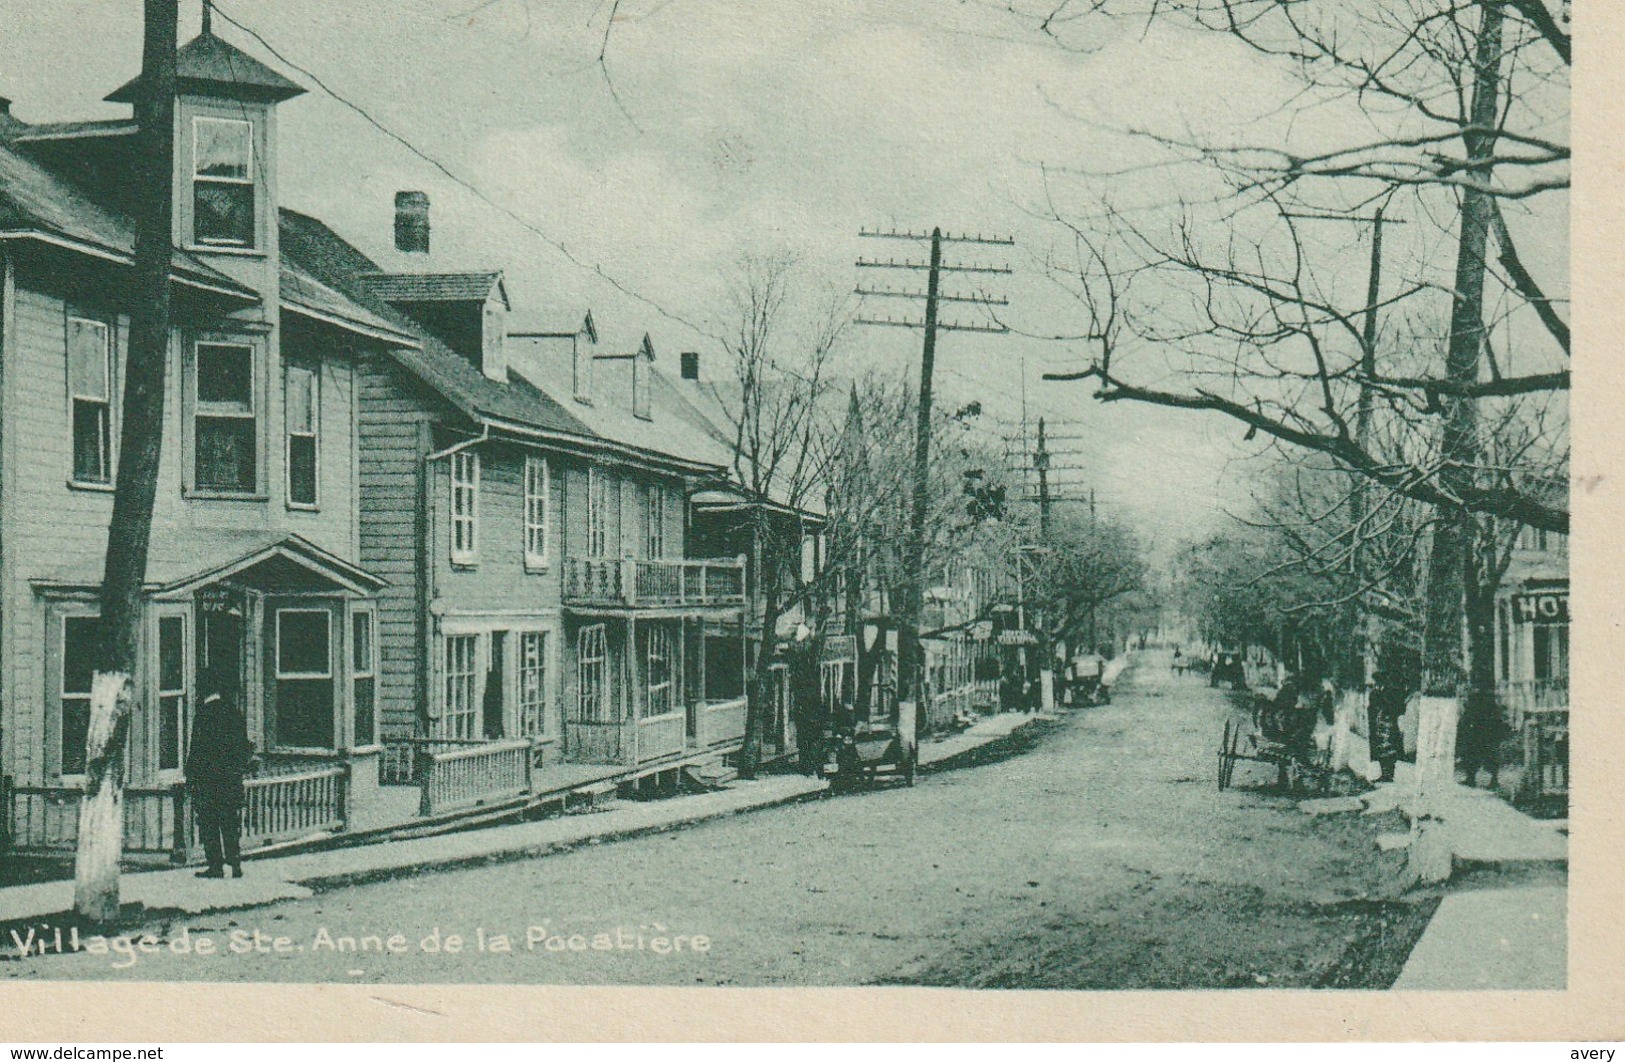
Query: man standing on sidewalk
{"points": [[219, 758]]}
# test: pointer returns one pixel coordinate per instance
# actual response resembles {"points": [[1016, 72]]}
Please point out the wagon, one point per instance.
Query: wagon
{"points": [[1299, 765]]}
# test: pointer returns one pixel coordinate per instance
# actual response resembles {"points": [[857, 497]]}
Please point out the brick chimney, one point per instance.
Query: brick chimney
{"points": [[412, 222], [689, 364]]}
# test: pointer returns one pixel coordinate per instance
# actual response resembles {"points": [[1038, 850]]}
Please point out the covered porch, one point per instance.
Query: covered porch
{"points": [[274, 622], [650, 686]]}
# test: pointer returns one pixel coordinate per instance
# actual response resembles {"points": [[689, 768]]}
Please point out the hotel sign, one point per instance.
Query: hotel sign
{"points": [[1547, 606]]}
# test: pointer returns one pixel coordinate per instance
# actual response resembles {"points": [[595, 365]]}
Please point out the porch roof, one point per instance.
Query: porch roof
{"points": [[263, 560]]}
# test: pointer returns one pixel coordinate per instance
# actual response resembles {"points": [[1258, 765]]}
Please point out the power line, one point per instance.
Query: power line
{"points": [[464, 183]]}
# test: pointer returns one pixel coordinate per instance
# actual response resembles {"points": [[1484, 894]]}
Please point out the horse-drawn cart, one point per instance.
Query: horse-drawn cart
{"points": [[1280, 738]]}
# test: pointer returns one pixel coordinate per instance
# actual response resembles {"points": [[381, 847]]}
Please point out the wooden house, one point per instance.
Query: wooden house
{"points": [[255, 585], [522, 492]]}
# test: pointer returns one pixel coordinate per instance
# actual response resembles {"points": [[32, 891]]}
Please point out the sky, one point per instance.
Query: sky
{"points": [[720, 128]]}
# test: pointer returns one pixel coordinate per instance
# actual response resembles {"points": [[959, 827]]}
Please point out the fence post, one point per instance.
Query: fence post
{"points": [[6, 811], [530, 767], [346, 796], [182, 851], [423, 767]]}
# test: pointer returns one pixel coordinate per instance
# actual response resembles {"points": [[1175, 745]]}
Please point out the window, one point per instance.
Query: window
{"points": [[304, 678], [171, 692], [592, 675], [656, 523], [538, 479], [363, 678], [465, 501], [81, 644], [531, 678], [597, 513], [90, 393], [302, 410], [659, 660], [223, 208], [226, 428], [461, 708]]}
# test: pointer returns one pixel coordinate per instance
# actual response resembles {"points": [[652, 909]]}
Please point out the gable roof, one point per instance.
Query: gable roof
{"points": [[208, 65], [36, 203], [330, 260], [435, 287]]}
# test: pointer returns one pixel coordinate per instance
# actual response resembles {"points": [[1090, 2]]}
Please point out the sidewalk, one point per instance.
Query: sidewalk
{"points": [[292, 877], [1502, 938]]}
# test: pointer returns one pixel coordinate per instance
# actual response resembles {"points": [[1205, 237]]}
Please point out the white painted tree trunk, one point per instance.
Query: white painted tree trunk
{"points": [[1431, 857], [101, 809]]}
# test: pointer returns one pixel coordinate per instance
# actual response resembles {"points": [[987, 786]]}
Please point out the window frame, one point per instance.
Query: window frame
{"points": [[313, 433], [461, 487], [466, 717], [594, 636], [57, 632], [654, 523], [537, 529], [657, 646], [597, 513], [526, 713], [250, 182], [110, 402], [183, 693], [278, 675], [198, 410], [363, 671]]}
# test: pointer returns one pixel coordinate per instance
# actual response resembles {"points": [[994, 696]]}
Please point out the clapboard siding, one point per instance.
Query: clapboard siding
{"points": [[54, 529], [393, 439]]}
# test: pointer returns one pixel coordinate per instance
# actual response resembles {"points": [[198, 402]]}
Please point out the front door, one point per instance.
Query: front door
{"points": [[220, 646], [301, 650]]}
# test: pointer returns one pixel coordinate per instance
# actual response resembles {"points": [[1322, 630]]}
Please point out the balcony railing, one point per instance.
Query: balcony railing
{"points": [[653, 583]]}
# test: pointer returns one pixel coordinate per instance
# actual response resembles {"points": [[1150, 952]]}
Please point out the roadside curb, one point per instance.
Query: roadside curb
{"points": [[295, 882]]}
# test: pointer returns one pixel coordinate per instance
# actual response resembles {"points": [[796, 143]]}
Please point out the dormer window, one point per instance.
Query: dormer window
{"points": [[223, 196]]}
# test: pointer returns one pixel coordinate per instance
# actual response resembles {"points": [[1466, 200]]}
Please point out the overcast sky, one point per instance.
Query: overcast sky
{"points": [[733, 126]]}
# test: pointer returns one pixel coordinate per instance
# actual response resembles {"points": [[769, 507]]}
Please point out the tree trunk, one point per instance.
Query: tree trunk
{"points": [[759, 701], [1442, 642], [101, 827]]}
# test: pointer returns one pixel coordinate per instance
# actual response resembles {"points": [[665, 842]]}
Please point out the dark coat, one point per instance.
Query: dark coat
{"points": [[221, 753]]}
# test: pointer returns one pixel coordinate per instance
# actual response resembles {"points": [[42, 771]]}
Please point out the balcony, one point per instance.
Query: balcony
{"points": [[653, 584]]}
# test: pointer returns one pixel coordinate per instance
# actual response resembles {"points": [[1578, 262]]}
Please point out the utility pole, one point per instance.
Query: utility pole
{"points": [[101, 809], [910, 658], [1041, 464]]}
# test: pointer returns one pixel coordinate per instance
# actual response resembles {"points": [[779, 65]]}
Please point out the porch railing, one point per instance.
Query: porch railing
{"points": [[720, 723], [1519, 699], [1545, 752], [46, 819], [283, 807], [595, 741], [469, 776], [653, 583], [403, 759], [661, 736]]}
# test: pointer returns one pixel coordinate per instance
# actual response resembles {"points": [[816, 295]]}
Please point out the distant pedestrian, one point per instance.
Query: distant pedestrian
{"points": [[219, 759], [1396, 679]]}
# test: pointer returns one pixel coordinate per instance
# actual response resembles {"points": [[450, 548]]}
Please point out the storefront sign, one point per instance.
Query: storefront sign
{"points": [[1541, 607], [1017, 638]]}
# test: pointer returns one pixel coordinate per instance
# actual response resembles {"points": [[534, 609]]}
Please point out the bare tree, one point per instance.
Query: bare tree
{"points": [[101, 816]]}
